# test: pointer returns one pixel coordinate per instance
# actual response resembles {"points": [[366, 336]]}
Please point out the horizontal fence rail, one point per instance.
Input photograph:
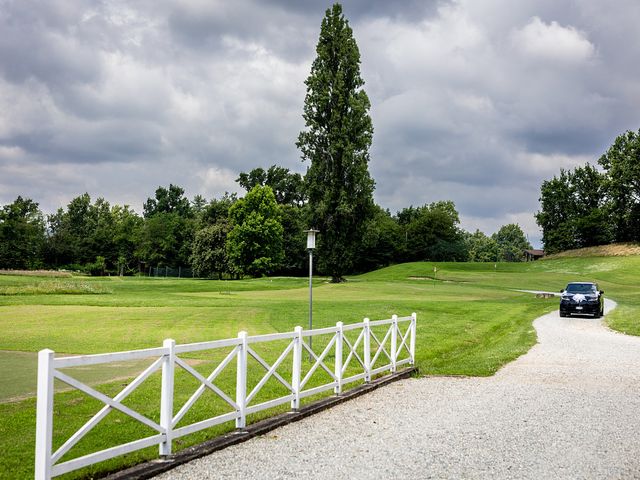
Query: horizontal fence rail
{"points": [[379, 346]]}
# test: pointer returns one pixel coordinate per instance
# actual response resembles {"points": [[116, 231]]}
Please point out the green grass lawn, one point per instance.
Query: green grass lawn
{"points": [[470, 322]]}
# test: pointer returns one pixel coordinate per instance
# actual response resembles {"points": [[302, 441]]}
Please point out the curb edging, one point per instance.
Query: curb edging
{"points": [[152, 468]]}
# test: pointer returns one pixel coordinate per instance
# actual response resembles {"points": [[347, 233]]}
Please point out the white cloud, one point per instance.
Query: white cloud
{"points": [[218, 180], [550, 165], [552, 41]]}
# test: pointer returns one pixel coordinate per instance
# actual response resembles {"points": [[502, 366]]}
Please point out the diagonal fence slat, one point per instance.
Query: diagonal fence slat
{"points": [[267, 367], [271, 372], [380, 348], [403, 340], [87, 427], [204, 384], [108, 401], [353, 351], [318, 361], [46, 462]]}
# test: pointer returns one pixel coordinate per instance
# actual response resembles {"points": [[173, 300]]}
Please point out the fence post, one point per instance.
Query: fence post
{"points": [[338, 360], [297, 368], [241, 381], [412, 339], [166, 396], [44, 415], [394, 342], [367, 351]]}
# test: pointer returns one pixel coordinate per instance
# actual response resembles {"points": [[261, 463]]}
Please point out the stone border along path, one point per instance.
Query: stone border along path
{"points": [[568, 409]]}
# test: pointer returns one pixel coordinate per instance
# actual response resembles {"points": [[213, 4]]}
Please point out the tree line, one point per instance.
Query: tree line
{"points": [[227, 237], [588, 206]]}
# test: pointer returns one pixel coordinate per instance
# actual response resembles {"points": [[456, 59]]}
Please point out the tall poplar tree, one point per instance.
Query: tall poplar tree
{"points": [[336, 141]]}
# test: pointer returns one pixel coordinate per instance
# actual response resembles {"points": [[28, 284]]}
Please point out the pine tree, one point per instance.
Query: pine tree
{"points": [[336, 142]]}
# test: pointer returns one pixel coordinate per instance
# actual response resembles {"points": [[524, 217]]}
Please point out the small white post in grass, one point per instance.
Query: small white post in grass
{"points": [[338, 360], [394, 342], [412, 338], [44, 415], [367, 351], [297, 368], [166, 396], [241, 382]]}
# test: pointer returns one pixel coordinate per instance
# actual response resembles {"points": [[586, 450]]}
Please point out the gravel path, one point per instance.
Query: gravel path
{"points": [[568, 409]]}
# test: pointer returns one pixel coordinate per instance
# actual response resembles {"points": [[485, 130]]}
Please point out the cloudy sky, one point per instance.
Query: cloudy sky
{"points": [[475, 101]]}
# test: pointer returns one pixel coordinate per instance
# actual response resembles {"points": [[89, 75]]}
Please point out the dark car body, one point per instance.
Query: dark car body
{"points": [[582, 298]]}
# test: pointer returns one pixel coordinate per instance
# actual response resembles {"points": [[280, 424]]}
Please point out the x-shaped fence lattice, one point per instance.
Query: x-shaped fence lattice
{"points": [[394, 344]]}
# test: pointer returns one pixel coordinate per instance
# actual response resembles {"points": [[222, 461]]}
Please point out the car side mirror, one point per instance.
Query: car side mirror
{"points": [[601, 292], [561, 291]]}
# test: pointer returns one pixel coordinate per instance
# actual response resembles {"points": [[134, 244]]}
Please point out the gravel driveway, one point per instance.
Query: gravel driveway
{"points": [[570, 408]]}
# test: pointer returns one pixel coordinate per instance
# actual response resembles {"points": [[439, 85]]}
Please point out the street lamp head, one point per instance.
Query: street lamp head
{"points": [[311, 238]]}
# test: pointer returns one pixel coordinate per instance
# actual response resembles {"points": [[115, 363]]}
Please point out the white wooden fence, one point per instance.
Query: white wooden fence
{"points": [[365, 353]]}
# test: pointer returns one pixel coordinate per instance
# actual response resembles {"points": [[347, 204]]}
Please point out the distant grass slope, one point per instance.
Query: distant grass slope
{"points": [[618, 275], [612, 250]]}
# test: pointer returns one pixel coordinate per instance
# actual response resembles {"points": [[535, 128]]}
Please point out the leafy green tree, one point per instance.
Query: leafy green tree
{"points": [[198, 204], [481, 247], [101, 239], [209, 253], [169, 228], [622, 164], [254, 245], [126, 237], [511, 242], [382, 243], [294, 240], [168, 200], [574, 210], [22, 235], [166, 240], [70, 233], [81, 233], [336, 141], [432, 233], [590, 207], [286, 186], [217, 209], [556, 214]]}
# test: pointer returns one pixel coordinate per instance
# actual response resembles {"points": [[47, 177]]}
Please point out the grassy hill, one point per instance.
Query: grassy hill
{"points": [[612, 250]]}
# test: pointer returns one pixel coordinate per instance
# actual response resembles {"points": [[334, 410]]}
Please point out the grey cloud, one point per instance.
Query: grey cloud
{"points": [[356, 10], [140, 94]]}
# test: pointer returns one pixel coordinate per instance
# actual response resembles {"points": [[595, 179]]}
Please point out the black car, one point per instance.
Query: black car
{"points": [[582, 298]]}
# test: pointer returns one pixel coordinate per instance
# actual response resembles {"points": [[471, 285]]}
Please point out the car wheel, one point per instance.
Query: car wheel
{"points": [[562, 314]]}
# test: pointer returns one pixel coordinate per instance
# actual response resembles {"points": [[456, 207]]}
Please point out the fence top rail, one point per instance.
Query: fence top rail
{"points": [[319, 331], [210, 345], [352, 326], [75, 361], [83, 360], [270, 337], [376, 323]]}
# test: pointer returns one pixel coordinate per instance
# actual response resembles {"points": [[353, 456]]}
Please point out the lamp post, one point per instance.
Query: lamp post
{"points": [[311, 244]]}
